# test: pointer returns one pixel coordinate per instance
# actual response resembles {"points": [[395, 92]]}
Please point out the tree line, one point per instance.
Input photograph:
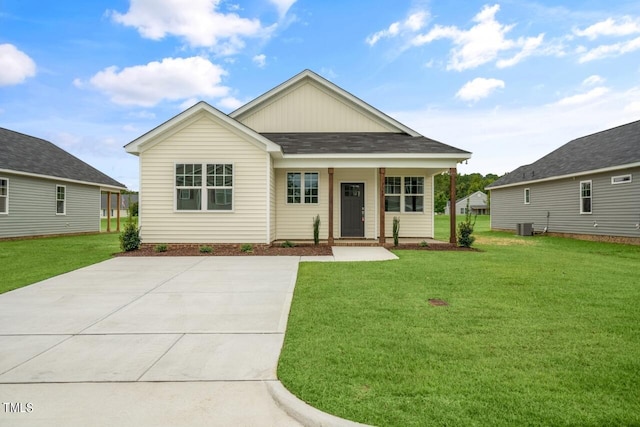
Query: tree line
{"points": [[465, 185]]}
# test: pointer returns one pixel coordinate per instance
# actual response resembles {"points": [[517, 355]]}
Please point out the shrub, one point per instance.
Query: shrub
{"points": [[423, 244], [246, 248], [316, 230], [396, 230], [160, 248], [465, 229], [288, 244], [205, 249], [130, 237]]}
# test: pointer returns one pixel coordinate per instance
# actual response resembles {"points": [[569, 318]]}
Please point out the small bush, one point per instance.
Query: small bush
{"points": [[246, 248], [465, 229], [205, 249], [160, 248], [423, 244], [130, 237], [316, 230], [288, 244], [396, 230]]}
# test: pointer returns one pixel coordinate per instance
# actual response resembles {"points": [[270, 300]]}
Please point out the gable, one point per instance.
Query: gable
{"points": [[309, 103]]}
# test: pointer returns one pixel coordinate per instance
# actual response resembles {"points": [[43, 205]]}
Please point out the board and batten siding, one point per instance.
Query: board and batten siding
{"points": [[32, 208], [412, 224], [615, 207], [295, 220], [204, 141], [306, 107]]}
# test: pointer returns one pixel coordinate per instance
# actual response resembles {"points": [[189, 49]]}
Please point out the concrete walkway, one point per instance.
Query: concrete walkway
{"points": [[175, 341]]}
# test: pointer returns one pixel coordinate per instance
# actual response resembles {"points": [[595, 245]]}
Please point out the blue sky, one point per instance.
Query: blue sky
{"points": [[509, 81]]}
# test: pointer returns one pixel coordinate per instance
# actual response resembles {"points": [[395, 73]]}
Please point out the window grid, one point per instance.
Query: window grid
{"points": [[299, 184], [60, 199], [219, 187], [392, 193], [527, 196], [585, 197], [216, 187], [414, 194], [4, 196]]}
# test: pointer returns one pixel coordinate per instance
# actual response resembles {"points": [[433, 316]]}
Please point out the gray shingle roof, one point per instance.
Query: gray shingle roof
{"points": [[24, 153], [609, 148], [359, 143]]}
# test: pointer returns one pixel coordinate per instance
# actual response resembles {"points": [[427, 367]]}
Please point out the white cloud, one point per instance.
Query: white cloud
{"points": [[197, 21], [584, 98], [479, 88], [16, 65], [171, 79], [482, 43], [230, 103], [610, 27], [283, 6], [610, 50], [593, 80], [414, 22], [260, 60]]}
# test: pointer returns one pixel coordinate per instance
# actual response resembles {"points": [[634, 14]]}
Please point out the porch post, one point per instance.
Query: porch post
{"points": [[381, 207], [330, 239], [452, 206], [108, 211], [119, 201]]}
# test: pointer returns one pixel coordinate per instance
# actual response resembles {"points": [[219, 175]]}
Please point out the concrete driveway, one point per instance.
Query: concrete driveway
{"points": [[175, 341]]}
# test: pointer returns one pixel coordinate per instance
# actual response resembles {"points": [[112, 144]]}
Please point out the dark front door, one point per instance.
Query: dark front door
{"points": [[352, 210]]}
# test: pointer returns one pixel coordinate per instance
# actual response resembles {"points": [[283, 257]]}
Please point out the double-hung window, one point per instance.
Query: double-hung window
{"points": [[61, 200], [4, 196], [413, 194], [527, 196], [392, 193], [302, 188], [585, 197], [213, 193]]}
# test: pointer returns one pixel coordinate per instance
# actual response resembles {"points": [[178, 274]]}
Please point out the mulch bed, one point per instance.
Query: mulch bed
{"points": [[269, 250]]}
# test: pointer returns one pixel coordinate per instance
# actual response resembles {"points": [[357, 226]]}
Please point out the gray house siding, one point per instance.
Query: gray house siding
{"points": [[32, 208], [556, 204]]}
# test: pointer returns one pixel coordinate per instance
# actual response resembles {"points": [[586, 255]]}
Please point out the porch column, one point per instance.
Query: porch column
{"points": [[381, 207], [452, 206], [108, 211], [330, 239], [119, 201]]}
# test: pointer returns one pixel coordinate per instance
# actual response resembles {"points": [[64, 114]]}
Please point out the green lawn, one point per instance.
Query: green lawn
{"points": [[539, 331], [114, 223], [23, 262]]}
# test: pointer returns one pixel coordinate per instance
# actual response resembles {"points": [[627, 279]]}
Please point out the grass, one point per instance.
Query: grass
{"points": [[538, 331], [23, 262], [114, 223]]}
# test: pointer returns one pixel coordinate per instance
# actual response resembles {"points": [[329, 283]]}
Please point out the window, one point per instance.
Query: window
{"points": [[392, 193], [61, 208], [217, 187], [622, 179], [463, 211], [527, 196], [297, 187], [414, 194], [585, 197], [4, 196]]}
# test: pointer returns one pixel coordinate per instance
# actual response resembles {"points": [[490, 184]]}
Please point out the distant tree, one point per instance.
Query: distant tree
{"points": [[465, 185]]}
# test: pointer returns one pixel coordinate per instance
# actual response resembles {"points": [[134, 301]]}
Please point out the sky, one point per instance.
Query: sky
{"points": [[509, 80]]}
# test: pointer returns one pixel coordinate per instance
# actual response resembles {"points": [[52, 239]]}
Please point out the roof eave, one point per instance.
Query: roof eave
{"points": [[57, 178]]}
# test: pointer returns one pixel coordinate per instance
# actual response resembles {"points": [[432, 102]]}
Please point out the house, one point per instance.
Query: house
{"points": [[476, 203], [589, 187], [263, 172], [46, 191], [126, 200]]}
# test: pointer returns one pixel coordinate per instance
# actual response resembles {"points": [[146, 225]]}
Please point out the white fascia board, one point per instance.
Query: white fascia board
{"points": [[105, 187], [459, 157], [143, 142], [572, 175], [329, 86], [382, 162]]}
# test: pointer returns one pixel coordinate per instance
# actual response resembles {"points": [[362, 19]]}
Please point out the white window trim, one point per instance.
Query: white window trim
{"points": [[621, 177], [527, 196], [204, 194], [302, 188], [403, 211], [64, 201], [590, 196], [394, 195], [6, 212]]}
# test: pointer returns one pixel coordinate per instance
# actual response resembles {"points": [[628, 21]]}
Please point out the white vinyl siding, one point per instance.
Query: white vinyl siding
{"points": [[586, 197], [307, 107], [61, 200], [205, 141], [4, 196], [413, 224], [295, 220]]}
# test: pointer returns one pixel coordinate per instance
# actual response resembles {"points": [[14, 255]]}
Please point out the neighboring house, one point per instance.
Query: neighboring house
{"points": [[126, 200], [588, 187], [44, 190], [476, 203], [262, 173]]}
